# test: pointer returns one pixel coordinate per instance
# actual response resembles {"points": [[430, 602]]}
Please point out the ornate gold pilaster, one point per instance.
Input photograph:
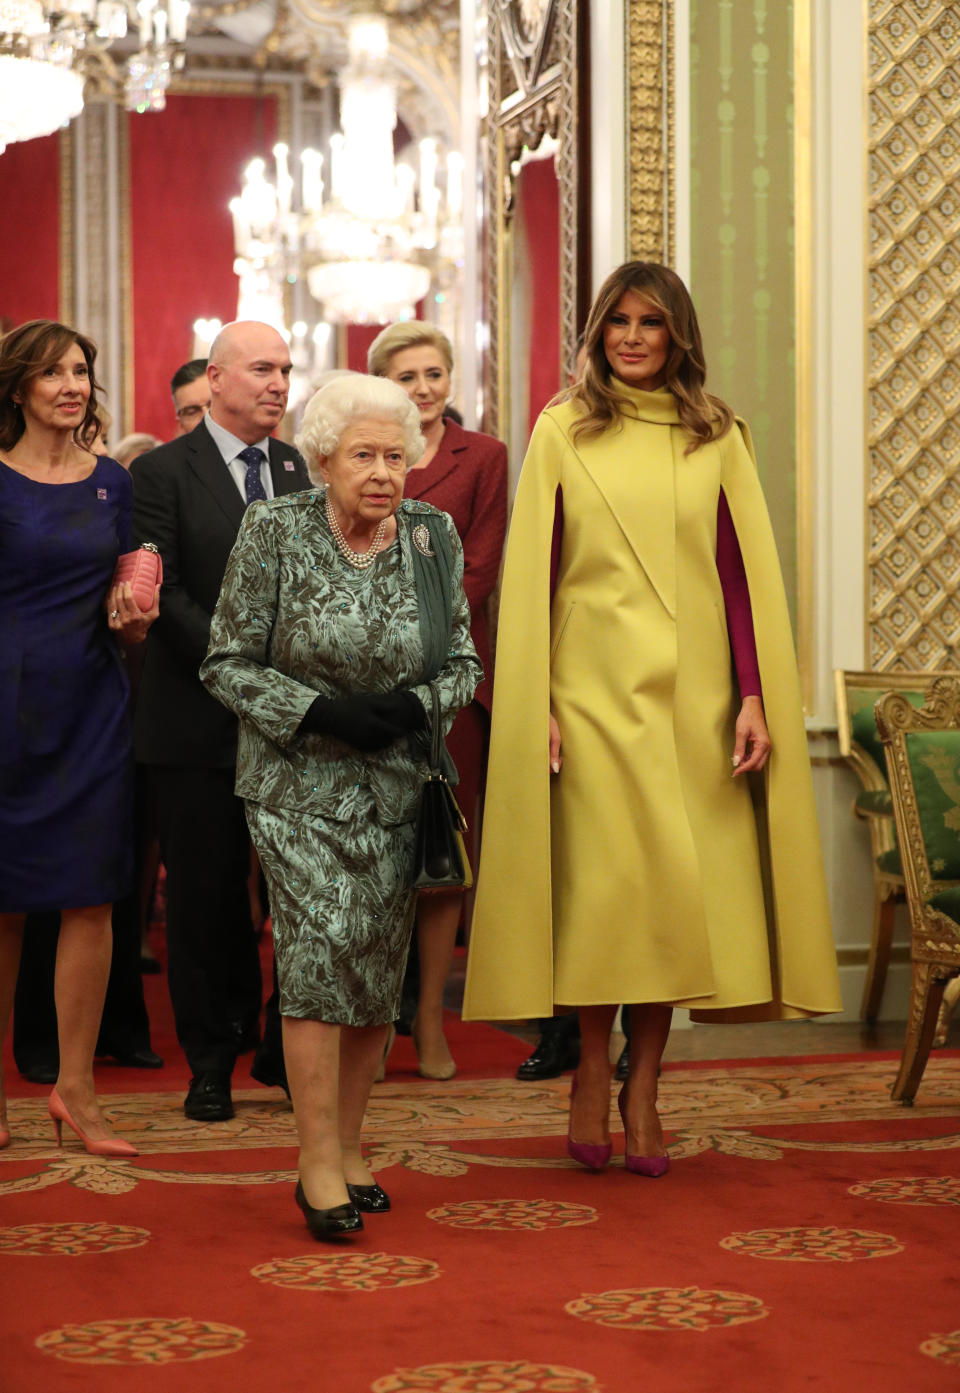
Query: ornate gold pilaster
{"points": [[913, 486], [651, 146]]}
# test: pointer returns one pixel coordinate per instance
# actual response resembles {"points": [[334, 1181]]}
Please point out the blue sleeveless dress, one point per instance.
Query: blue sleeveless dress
{"points": [[66, 770]]}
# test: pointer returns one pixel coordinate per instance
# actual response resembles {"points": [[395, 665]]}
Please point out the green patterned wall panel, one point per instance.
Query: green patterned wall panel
{"points": [[742, 232]]}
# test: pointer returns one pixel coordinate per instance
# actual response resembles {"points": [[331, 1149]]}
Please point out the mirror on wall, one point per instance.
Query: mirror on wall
{"points": [[535, 352], [536, 147]]}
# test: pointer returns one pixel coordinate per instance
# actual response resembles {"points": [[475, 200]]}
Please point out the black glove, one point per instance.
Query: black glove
{"points": [[366, 721], [402, 708]]}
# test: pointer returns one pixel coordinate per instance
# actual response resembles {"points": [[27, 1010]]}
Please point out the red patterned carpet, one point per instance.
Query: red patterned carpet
{"points": [[801, 1241]]}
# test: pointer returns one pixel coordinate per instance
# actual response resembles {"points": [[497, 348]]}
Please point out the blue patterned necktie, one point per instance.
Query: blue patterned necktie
{"points": [[253, 457]]}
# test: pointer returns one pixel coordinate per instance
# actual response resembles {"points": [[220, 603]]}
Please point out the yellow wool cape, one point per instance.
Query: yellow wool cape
{"points": [[643, 871]]}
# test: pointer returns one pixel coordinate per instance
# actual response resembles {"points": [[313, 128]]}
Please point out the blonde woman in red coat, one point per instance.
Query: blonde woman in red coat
{"points": [[465, 474]]}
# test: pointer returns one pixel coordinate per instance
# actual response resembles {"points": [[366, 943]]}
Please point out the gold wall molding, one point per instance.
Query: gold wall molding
{"points": [[803, 338], [536, 51], [913, 335], [651, 142]]}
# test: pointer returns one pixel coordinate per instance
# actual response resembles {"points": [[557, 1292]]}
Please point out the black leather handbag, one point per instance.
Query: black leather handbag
{"points": [[440, 860]]}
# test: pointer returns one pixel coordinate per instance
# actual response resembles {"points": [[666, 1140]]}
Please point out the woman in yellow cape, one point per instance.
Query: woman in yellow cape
{"points": [[645, 859]]}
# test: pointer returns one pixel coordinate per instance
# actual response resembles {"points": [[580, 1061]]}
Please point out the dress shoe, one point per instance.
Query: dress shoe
{"points": [[108, 1146], [41, 1072], [556, 1051], [593, 1155], [269, 1071], [650, 1166], [133, 1059], [208, 1098], [369, 1199], [622, 1068], [444, 1071], [338, 1222]]}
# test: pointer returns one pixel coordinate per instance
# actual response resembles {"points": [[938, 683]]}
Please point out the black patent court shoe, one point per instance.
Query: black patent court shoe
{"points": [[370, 1199], [325, 1224]]}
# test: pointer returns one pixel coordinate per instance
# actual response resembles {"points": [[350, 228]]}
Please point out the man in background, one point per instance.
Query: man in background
{"points": [[191, 394]]}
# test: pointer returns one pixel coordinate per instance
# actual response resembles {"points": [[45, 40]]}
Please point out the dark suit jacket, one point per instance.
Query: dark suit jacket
{"points": [[467, 478], [186, 502]]}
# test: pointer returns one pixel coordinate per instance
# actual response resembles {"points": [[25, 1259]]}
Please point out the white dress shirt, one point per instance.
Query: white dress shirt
{"points": [[230, 447]]}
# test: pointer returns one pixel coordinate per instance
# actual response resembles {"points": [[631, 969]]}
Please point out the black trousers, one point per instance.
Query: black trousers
{"points": [[124, 1028], [212, 957]]}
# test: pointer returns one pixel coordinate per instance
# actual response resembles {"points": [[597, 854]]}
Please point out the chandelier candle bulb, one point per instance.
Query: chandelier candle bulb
{"points": [[284, 182], [179, 10], [111, 20], [145, 11], [160, 27], [239, 224]]}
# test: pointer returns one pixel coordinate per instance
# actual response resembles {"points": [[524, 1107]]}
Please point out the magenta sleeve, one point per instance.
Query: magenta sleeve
{"points": [[556, 541], [736, 600]]}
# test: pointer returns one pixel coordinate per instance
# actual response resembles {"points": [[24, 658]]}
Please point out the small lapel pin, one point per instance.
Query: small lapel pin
{"points": [[288, 465], [421, 539], [102, 495]]}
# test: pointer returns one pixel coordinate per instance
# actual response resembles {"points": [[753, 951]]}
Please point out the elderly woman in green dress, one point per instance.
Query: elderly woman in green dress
{"points": [[340, 609]]}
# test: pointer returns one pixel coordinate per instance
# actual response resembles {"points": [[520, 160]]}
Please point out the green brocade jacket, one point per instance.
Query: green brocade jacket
{"points": [[295, 621]]}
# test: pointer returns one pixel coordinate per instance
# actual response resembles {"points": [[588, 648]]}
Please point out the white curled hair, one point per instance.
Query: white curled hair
{"points": [[349, 397]]}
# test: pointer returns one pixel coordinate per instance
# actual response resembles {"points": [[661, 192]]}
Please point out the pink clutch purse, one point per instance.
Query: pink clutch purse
{"points": [[143, 568]]}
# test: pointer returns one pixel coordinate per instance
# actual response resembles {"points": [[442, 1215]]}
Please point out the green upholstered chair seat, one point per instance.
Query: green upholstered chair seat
{"points": [[874, 802], [934, 757], [889, 862], [948, 902]]}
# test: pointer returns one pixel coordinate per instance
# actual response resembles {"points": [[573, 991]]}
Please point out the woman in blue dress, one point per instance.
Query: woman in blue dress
{"points": [[65, 750]]}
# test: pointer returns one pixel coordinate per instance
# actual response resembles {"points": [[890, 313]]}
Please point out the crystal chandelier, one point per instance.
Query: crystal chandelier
{"points": [[369, 245], [48, 49]]}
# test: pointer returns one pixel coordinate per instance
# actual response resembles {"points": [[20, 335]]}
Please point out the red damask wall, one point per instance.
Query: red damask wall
{"points": [[541, 211], [186, 164], [29, 260]]}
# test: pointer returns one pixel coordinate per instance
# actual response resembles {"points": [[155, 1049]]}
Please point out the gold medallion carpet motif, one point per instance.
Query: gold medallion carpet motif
{"points": [[800, 1241], [742, 1111]]}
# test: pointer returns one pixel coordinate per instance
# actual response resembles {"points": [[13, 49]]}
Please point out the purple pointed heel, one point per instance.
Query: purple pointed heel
{"points": [[650, 1166], [593, 1155]]}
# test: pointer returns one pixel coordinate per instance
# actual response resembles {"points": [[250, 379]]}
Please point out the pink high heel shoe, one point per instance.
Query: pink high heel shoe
{"points": [[110, 1146], [593, 1155], [651, 1166]]}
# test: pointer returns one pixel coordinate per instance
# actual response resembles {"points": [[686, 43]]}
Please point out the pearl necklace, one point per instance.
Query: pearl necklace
{"points": [[359, 559]]}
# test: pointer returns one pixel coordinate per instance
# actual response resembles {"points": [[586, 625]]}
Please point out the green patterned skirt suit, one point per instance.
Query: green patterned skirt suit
{"points": [[333, 827]]}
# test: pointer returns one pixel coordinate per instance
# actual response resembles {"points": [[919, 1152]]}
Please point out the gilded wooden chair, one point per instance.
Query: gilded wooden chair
{"points": [[923, 763], [857, 694]]}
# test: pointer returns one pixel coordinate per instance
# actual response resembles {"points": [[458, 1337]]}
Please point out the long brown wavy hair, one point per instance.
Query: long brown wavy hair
{"points": [[25, 353], [702, 416]]}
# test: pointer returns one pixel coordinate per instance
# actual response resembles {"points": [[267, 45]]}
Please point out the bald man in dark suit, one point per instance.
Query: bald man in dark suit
{"points": [[189, 499]]}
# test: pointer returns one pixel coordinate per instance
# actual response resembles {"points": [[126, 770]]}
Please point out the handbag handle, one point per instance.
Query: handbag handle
{"points": [[436, 732]]}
